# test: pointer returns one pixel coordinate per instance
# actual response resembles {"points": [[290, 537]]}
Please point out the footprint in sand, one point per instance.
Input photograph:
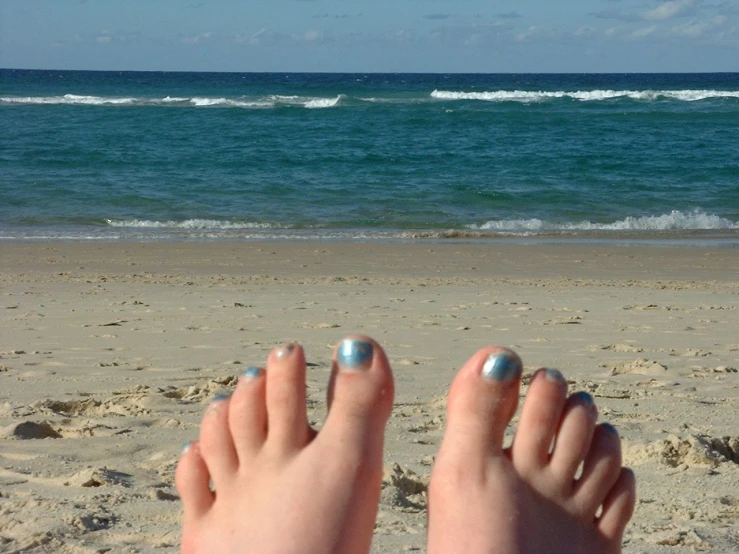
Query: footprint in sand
{"points": [[29, 430], [693, 451], [404, 490], [642, 366], [622, 348], [202, 392]]}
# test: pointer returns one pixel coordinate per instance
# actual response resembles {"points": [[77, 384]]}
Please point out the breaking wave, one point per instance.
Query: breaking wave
{"points": [[188, 224], [272, 101], [585, 96], [695, 220]]}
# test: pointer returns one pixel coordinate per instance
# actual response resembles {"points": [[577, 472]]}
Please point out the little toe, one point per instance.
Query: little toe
{"points": [[481, 403], [618, 506], [247, 414], [287, 421], [601, 469], [192, 481], [573, 437], [540, 417], [216, 444]]}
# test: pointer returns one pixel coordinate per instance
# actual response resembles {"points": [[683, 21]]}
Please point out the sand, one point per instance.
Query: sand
{"points": [[110, 352]]}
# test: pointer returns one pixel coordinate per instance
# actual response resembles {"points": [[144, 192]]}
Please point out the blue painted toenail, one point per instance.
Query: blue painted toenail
{"points": [[186, 447], [221, 397], [501, 367], [553, 375], [583, 398], [284, 350], [252, 373], [608, 428], [354, 354]]}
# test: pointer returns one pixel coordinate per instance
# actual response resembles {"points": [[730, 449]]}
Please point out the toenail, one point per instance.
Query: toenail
{"points": [[252, 373], [501, 366], [553, 375], [220, 398], [354, 354], [583, 397], [284, 350], [186, 448], [608, 428]]}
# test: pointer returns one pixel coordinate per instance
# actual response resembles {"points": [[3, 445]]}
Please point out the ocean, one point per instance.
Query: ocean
{"points": [[158, 156]]}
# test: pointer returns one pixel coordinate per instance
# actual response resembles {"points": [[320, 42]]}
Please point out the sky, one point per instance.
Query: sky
{"points": [[486, 36]]}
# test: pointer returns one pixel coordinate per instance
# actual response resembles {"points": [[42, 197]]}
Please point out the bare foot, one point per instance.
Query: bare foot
{"points": [[526, 498], [278, 485]]}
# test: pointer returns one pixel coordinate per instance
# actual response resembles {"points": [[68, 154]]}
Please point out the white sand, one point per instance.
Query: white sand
{"points": [[110, 352]]}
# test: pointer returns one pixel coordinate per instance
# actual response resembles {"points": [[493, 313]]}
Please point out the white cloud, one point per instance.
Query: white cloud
{"points": [[313, 36], [643, 32], [526, 34], [585, 31], [106, 36], [695, 29], [263, 37], [196, 39], [669, 10]]}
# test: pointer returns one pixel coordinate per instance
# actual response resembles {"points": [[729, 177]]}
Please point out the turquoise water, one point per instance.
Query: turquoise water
{"points": [[163, 156]]}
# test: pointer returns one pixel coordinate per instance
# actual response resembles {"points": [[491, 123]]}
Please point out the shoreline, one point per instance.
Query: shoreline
{"points": [[320, 259]]}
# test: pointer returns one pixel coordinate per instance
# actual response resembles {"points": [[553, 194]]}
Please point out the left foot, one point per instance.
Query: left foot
{"points": [[530, 497], [277, 484]]}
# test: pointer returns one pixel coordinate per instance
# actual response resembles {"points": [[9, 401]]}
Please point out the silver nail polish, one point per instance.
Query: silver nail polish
{"points": [[252, 373], [584, 398], [284, 350], [609, 428], [553, 374], [354, 354], [501, 366]]}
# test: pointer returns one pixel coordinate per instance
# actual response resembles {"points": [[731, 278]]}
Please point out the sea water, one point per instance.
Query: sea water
{"points": [[209, 156]]}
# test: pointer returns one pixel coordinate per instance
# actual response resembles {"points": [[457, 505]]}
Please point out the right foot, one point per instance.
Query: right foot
{"points": [[278, 486], [528, 497]]}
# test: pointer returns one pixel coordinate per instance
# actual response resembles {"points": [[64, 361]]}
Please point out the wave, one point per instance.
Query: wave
{"points": [[696, 220], [188, 224], [585, 96], [272, 101]]}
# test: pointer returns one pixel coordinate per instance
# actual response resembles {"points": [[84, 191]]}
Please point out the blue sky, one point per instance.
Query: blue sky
{"points": [[374, 35]]}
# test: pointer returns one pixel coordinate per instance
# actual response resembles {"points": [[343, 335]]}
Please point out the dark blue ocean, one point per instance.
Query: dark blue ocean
{"points": [[208, 156]]}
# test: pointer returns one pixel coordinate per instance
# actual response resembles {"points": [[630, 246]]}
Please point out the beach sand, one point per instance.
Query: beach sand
{"points": [[109, 354]]}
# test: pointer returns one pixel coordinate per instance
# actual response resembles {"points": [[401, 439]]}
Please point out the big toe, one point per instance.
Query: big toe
{"points": [[360, 395], [482, 401]]}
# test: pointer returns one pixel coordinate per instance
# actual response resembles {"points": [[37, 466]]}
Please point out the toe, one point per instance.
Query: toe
{"points": [[216, 445], [192, 480], [360, 395], [482, 401], [618, 507], [360, 399], [573, 438], [601, 469], [540, 417], [247, 415], [287, 422]]}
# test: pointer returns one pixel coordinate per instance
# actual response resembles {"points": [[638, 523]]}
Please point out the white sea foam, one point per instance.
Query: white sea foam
{"points": [[73, 99], [676, 220], [323, 102], [585, 96], [270, 101], [188, 224]]}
